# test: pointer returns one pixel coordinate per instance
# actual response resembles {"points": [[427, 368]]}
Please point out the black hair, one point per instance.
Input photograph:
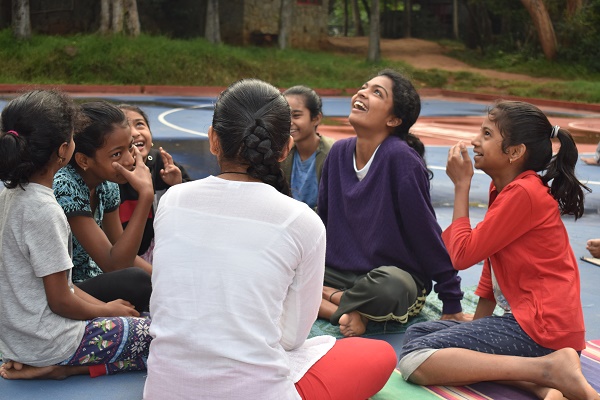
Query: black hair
{"points": [[129, 107], [101, 119], [252, 121], [312, 101], [524, 123], [407, 107], [33, 127]]}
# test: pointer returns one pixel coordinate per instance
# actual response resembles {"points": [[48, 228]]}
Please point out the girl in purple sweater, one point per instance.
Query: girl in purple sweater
{"points": [[384, 245]]}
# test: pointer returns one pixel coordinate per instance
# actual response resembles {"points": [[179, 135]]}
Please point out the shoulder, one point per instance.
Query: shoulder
{"points": [[70, 189], [343, 146], [326, 143], [398, 153]]}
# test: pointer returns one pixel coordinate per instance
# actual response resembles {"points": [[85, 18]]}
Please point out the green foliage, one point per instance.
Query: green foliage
{"points": [[150, 60]]}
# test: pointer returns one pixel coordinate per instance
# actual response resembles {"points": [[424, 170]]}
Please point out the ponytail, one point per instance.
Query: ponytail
{"points": [[565, 186]]}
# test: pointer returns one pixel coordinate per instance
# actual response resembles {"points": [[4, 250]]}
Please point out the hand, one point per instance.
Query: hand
{"points": [[459, 166], [590, 160], [457, 317], [139, 178], [593, 246], [121, 308], [171, 174]]}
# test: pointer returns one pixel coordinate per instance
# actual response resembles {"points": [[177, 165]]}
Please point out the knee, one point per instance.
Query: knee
{"points": [[138, 276], [394, 283]]}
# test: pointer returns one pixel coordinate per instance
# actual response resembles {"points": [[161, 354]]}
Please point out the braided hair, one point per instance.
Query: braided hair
{"points": [[252, 121]]}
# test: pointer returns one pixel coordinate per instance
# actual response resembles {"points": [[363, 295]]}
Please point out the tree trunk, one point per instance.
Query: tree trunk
{"points": [[455, 19], [212, 30], [367, 9], [573, 7], [117, 16], [407, 18], [543, 25], [358, 28], [132, 22], [21, 23], [285, 23], [104, 17], [374, 33], [345, 17]]}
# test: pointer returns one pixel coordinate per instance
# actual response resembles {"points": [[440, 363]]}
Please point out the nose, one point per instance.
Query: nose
{"points": [[128, 159]]}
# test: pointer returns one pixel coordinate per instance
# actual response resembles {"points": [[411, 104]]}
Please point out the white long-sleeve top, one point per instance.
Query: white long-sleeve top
{"points": [[237, 282]]}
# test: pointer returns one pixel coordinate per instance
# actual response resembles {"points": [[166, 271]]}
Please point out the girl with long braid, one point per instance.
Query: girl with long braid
{"points": [[529, 270], [238, 272]]}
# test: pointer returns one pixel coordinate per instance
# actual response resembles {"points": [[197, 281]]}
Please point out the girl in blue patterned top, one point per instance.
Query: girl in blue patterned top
{"points": [[105, 254]]}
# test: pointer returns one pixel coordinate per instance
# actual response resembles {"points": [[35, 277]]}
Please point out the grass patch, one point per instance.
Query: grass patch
{"points": [[156, 60]]}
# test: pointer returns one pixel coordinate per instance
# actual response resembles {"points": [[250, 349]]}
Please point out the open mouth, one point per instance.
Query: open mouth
{"points": [[139, 145], [359, 105]]}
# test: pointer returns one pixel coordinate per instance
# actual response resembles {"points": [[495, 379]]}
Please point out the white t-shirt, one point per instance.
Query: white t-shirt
{"points": [[35, 240], [237, 283]]}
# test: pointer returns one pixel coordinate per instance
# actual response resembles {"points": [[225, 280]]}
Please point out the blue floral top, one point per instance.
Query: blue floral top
{"points": [[73, 195]]}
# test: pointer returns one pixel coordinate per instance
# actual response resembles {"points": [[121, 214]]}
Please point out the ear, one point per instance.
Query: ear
{"points": [[516, 152], [317, 120], [286, 150], [82, 160], [213, 141], [62, 152], [394, 122]]}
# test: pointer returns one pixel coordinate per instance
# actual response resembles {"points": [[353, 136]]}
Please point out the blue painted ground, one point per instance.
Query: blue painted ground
{"points": [[180, 124]]}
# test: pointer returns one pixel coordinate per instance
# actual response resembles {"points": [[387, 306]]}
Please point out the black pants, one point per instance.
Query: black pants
{"points": [[131, 284]]}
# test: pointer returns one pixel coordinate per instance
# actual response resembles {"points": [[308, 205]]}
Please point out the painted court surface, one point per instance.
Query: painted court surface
{"points": [[180, 123]]}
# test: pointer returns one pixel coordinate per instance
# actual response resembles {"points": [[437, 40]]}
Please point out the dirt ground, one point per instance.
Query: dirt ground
{"points": [[420, 54]]}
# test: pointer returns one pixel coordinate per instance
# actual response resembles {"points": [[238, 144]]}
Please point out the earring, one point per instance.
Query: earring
{"points": [[510, 160]]}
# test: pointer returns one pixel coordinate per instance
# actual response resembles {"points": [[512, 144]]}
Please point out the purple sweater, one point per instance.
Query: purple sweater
{"points": [[385, 219]]}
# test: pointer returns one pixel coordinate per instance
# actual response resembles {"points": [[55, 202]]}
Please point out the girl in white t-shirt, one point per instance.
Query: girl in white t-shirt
{"points": [[49, 328], [238, 276]]}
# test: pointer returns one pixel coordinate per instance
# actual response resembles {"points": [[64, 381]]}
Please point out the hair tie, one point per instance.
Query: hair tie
{"points": [[554, 132], [12, 133]]}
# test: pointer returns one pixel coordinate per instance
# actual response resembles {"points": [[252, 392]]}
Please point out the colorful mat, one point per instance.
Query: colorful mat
{"points": [[431, 311], [397, 388]]}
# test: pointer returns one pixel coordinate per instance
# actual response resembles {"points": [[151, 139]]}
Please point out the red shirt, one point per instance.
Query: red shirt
{"points": [[525, 240]]}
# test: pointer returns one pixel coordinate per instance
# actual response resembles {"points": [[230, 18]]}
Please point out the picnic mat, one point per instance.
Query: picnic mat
{"points": [[431, 311], [397, 388]]}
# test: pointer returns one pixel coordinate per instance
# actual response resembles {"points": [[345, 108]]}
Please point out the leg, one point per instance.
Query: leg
{"points": [[365, 363], [112, 345], [496, 340], [560, 370], [131, 284], [385, 293]]}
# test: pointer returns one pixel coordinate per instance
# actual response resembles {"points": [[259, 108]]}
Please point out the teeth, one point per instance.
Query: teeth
{"points": [[359, 104], [138, 144]]}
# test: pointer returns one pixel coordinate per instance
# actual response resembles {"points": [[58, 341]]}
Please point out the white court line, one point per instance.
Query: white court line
{"points": [[161, 119], [481, 172]]}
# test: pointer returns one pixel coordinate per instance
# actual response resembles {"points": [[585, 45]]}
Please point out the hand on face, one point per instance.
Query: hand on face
{"points": [[170, 174], [139, 178], [459, 166]]}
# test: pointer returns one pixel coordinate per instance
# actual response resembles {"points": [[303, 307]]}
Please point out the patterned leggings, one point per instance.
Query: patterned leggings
{"points": [[111, 345]]}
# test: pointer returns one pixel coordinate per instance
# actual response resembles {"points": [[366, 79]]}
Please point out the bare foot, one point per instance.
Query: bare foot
{"points": [[15, 370], [562, 371], [353, 324]]}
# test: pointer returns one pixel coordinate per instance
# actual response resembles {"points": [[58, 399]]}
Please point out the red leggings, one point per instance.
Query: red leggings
{"points": [[354, 368]]}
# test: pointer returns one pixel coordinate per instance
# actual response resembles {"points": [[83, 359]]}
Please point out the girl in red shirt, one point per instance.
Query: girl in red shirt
{"points": [[530, 270]]}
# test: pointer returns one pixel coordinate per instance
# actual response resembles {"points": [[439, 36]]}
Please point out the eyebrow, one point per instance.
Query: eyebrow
{"points": [[382, 88], [121, 147]]}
